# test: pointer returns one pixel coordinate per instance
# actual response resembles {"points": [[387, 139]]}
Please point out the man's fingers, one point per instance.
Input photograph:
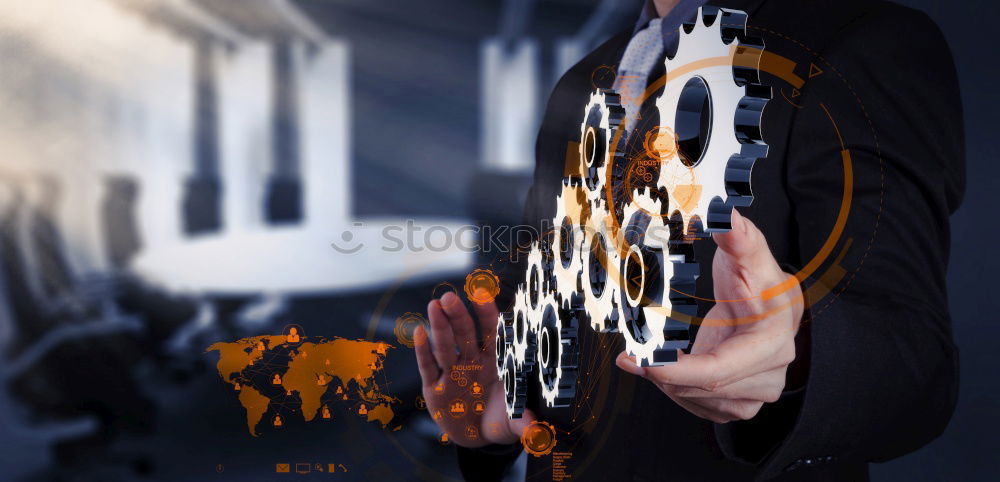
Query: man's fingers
{"points": [[721, 410], [699, 410], [737, 357], [444, 339], [461, 324], [487, 314], [429, 370], [762, 387], [627, 363]]}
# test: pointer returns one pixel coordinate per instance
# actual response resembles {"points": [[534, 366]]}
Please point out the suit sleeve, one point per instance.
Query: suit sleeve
{"points": [[882, 367]]}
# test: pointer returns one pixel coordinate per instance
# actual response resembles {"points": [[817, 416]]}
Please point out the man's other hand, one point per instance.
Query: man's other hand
{"points": [[454, 343]]}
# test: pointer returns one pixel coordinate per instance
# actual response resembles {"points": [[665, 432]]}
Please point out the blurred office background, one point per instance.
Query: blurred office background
{"points": [[172, 173]]}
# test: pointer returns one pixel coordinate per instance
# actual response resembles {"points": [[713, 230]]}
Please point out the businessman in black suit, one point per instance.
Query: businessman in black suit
{"points": [[866, 163]]}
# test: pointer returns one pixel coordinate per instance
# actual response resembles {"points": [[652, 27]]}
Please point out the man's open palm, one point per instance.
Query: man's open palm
{"points": [[454, 344], [746, 341]]}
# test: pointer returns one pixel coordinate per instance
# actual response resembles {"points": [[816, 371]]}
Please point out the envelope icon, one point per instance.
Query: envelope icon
{"points": [[283, 468]]}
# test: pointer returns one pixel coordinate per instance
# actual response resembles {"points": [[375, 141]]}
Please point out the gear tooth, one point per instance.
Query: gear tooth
{"points": [[738, 173]]}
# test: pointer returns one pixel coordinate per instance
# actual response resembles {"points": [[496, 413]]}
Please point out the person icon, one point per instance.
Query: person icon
{"points": [[471, 432], [444, 438], [260, 345], [236, 386], [477, 389], [327, 361], [479, 406], [363, 410], [293, 335], [340, 389], [439, 387], [321, 380], [277, 420], [326, 412], [276, 380]]}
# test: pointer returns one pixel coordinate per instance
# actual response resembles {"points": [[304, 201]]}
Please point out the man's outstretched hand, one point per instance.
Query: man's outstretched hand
{"points": [[454, 343], [746, 341]]}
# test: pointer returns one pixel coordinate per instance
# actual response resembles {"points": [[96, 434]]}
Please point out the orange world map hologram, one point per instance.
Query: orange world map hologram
{"points": [[294, 374]]}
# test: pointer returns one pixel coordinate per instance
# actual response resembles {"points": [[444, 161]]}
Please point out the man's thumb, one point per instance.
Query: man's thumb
{"points": [[744, 242]]}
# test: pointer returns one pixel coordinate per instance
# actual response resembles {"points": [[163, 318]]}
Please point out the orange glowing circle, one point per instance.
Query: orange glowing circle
{"points": [[405, 325], [660, 143], [482, 286], [538, 438], [603, 77]]}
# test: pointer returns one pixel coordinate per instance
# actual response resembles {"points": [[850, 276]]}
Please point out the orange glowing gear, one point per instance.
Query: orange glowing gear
{"points": [[482, 286], [660, 143], [405, 325], [538, 438]]}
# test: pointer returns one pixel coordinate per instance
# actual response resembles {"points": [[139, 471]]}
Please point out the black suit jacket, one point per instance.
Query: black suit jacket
{"points": [[876, 370]]}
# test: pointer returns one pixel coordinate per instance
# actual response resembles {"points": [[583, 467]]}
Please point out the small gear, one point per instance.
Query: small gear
{"points": [[558, 353], [650, 334], [567, 263], [536, 277], [514, 387], [504, 339], [601, 152], [523, 343], [539, 438], [709, 173], [601, 258]]}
